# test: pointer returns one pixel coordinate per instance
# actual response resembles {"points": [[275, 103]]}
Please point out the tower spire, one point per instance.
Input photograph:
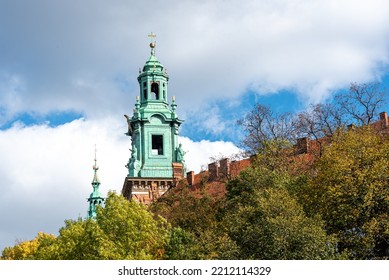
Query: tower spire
{"points": [[156, 160], [95, 197], [95, 168]]}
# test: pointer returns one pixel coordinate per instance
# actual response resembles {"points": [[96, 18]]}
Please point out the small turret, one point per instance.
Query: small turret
{"points": [[95, 197]]}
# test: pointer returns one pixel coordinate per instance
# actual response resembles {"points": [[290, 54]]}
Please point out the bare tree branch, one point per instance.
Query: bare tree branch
{"points": [[262, 125], [362, 102]]}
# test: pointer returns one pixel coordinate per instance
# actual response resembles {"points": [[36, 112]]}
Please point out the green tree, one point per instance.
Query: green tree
{"points": [[197, 232], [133, 231], [122, 230], [267, 222], [350, 190], [77, 240]]}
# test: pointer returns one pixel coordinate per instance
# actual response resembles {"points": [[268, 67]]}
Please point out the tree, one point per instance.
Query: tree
{"points": [[262, 125], [122, 230], [134, 232], [28, 249], [350, 191], [77, 240], [267, 222], [197, 232], [320, 120], [362, 102]]}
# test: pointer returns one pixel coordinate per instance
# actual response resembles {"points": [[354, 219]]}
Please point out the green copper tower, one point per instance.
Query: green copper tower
{"points": [[95, 197], [157, 159]]}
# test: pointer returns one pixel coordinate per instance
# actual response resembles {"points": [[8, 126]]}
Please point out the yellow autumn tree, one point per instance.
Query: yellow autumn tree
{"points": [[122, 230], [350, 190], [27, 249]]}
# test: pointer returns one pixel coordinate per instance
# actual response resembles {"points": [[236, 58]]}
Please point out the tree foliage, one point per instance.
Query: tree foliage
{"points": [[267, 222], [197, 232], [285, 206], [122, 230], [28, 250], [351, 192]]}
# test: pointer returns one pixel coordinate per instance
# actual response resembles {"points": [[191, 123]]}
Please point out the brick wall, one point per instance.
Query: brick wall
{"points": [[190, 177], [224, 170], [213, 170]]}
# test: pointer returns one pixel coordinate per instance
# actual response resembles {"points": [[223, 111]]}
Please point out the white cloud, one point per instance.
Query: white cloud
{"points": [[70, 54], [47, 171], [199, 153]]}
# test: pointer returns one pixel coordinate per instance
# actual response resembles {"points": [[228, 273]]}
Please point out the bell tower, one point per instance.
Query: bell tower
{"points": [[156, 161]]}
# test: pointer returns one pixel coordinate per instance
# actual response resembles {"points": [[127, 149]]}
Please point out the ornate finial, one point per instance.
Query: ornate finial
{"points": [[174, 105], [95, 167], [152, 44], [137, 104]]}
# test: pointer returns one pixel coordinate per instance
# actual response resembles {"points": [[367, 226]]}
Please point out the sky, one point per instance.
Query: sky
{"points": [[68, 74]]}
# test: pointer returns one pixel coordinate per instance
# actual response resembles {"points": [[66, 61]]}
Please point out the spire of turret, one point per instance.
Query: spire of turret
{"points": [[153, 80], [152, 64], [95, 197], [152, 43], [95, 168]]}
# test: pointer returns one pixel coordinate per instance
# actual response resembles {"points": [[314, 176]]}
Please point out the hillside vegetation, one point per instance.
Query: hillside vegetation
{"points": [[336, 208], [332, 204]]}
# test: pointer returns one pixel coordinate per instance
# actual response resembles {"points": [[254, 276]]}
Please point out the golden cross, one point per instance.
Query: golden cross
{"points": [[152, 36]]}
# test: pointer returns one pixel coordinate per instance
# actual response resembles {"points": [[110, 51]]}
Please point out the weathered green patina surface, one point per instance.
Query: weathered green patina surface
{"points": [[153, 128], [95, 197]]}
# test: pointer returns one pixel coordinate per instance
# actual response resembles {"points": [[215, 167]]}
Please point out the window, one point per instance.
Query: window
{"points": [[144, 90], [157, 145], [155, 90]]}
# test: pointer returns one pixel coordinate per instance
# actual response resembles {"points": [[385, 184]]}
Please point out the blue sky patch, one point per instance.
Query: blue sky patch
{"points": [[52, 119]]}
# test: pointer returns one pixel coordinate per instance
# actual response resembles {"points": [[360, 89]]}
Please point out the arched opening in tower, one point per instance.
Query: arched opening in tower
{"points": [[155, 90]]}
